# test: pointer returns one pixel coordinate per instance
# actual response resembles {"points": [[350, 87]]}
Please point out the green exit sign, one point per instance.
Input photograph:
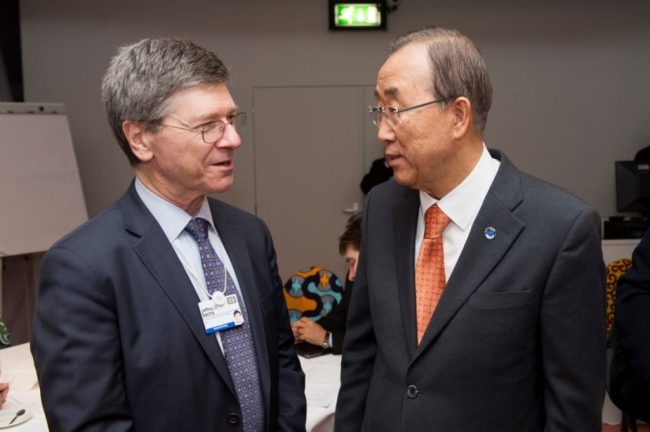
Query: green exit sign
{"points": [[344, 16]]}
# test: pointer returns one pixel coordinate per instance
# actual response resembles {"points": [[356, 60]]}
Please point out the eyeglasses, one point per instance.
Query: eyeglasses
{"points": [[213, 131], [392, 115]]}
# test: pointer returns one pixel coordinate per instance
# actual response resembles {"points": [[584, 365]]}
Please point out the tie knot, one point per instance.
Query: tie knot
{"points": [[435, 221], [198, 227]]}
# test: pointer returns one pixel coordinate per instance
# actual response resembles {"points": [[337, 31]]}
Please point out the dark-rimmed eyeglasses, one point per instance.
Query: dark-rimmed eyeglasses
{"points": [[213, 131], [392, 115]]}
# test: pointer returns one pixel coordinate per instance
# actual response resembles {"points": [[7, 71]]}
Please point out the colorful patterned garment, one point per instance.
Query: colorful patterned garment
{"points": [[4, 334], [312, 293], [615, 270]]}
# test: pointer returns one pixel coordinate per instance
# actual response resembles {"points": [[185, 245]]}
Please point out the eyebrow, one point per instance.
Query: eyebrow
{"points": [[391, 92], [211, 116]]}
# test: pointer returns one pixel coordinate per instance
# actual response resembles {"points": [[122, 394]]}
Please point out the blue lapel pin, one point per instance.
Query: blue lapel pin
{"points": [[490, 233]]}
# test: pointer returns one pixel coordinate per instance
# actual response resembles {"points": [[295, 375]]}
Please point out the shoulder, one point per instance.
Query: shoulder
{"points": [[89, 251], [533, 197], [547, 193], [110, 233], [551, 202], [95, 232], [231, 215]]}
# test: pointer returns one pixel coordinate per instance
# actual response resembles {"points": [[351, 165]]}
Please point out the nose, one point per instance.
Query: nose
{"points": [[352, 271], [385, 132], [230, 138]]}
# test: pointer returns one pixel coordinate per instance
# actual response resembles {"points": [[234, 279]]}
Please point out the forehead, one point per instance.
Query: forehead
{"points": [[202, 101], [351, 252], [405, 74]]}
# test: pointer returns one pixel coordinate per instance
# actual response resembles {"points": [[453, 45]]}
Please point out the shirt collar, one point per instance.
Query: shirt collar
{"points": [[464, 201], [172, 219]]}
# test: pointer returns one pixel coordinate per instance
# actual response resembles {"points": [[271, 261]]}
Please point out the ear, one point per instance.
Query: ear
{"points": [[463, 119], [138, 139]]}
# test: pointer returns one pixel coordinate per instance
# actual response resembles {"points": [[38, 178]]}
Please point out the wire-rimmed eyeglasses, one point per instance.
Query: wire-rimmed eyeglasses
{"points": [[213, 131], [392, 114]]}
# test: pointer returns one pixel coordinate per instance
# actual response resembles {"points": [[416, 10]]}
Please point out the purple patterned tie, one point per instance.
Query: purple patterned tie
{"points": [[237, 342]]}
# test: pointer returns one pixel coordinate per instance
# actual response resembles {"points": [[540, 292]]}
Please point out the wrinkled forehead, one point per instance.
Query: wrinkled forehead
{"points": [[202, 101], [405, 74]]}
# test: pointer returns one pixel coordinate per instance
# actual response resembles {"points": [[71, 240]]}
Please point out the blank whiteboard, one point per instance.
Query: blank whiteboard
{"points": [[40, 192]]}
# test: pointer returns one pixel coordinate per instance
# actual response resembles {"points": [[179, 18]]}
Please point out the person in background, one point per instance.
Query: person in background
{"points": [[643, 154], [478, 303], [632, 321], [329, 331], [131, 330], [4, 392], [5, 341], [379, 172]]}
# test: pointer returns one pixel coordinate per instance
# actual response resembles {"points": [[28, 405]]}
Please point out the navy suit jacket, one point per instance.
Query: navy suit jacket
{"points": [[118, 341], [517, 341]]}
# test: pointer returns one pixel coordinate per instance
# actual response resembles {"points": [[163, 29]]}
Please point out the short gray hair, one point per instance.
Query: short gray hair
{"points": [[143, 76], [457, 68]]}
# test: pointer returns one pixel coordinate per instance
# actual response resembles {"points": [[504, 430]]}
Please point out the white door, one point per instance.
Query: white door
{"points": [[310, 156]]}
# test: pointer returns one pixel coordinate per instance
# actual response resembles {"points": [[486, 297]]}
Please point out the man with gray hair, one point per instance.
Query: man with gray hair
{"points": [[478, 303], [134, 326]]}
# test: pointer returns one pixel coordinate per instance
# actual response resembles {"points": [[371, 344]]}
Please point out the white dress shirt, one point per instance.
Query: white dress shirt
{"points": [[461, 205], [173, 220]]}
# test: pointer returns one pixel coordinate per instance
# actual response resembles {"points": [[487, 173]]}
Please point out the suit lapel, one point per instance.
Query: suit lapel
{"points": [[480, 255], [405, 216], [235, 243], [160, 259]]}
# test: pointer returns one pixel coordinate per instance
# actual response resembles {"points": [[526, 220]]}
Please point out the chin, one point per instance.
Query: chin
{"points": [[405, 180], [220, 186]]}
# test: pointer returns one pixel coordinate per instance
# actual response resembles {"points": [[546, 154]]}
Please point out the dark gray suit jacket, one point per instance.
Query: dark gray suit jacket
{"points": [[517, 342], [118, 341]]}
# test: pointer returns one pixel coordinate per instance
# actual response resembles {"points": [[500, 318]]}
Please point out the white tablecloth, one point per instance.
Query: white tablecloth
{"points": [[18, 368], [321, 388]]}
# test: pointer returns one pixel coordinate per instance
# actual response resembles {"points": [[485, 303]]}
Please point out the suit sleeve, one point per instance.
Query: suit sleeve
{"points": [[359, 347], [573, 331], [633, 312], [76, 348], [292, 405]]}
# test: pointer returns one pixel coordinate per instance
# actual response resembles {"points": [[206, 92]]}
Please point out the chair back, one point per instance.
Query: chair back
{"points": [[615, 270], [312, 293], [5, 339]]}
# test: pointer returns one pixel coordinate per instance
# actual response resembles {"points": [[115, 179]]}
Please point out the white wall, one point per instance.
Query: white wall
{"points": [[569, 80]]}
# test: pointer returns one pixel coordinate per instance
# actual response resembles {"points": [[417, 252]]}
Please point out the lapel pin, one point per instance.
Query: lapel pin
{"points": [[490, 233]]}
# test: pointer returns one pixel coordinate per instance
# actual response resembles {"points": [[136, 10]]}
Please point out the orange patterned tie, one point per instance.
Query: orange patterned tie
{"points": [[430, 269]]}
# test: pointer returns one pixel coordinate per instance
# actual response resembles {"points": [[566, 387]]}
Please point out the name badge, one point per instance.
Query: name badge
{"points": [[218, 317]]}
